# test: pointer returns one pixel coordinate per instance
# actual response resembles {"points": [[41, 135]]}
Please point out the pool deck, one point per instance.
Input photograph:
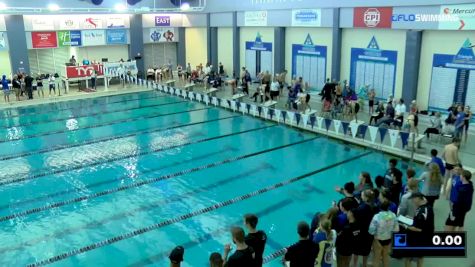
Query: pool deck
{"points": [[441, 207]]}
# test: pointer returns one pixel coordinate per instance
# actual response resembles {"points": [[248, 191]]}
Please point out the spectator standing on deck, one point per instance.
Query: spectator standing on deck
{"points": [[432, 182], [6, 89], [215, 260], [407, 207], [255, 238], [29, 86], [468, 118], [304, 252], [461, 196], [382, 226], [363, 215], [451, 157], [244, 254]]}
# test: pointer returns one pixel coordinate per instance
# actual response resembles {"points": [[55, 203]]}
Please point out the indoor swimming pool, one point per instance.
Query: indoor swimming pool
{"points": [[121, 180]]}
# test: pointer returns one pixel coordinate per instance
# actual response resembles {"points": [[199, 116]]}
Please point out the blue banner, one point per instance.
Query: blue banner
{"points": [[116, 36]]}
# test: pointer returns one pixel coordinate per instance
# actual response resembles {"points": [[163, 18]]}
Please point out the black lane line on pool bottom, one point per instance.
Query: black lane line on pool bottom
{"points": [[144, 182], [148, 207], [115, 137], [189, 215], [97, 124], [209, 236], [81, 116], [141, 153], [76, 107], [115, 179]]}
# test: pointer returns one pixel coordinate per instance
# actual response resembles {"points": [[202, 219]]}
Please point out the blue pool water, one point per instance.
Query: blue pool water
{"points": [[121, 180]]}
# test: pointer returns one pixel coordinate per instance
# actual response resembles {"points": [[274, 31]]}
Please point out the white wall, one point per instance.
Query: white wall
{"points": [[297, 35], [5, 67], [113, 52], [387, 39], [437, 42], [196, 46], [225, 49], [248, 34]]}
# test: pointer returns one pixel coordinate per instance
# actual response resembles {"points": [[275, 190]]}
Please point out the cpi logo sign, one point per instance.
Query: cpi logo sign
{"points": [[372, 17]]}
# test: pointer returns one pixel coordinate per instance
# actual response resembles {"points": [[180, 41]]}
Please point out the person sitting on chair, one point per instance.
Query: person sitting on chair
{"points": [[377, 114], [436, 125], [389, 116]]}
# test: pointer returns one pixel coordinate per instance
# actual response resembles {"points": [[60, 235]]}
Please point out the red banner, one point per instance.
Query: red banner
{"points": [[372, 17], [84, 71], [44, 40]]}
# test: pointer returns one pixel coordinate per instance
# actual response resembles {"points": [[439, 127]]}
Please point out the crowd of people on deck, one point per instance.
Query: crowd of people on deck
{"points": [[362, 222], [22, 86]]}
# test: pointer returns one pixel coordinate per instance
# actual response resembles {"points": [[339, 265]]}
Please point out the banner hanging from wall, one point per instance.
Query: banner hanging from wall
{"points": [[307, 18], [44, 40], [69, 38], [162, 35], [117, 68], [255, 18], [309, 61], [453, 79], [42, 23], [93, 37], [84, 71], [68, 23], [259, 56], [372, 17], [465, 15], [92, 23], [115, 22], [3, 41], [373, 68], [116, 36]]}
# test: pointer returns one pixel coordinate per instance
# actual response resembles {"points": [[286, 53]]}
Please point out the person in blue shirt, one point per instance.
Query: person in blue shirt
{"points": [[6, 89], [461, 198], [459, 122], [437, 161]]}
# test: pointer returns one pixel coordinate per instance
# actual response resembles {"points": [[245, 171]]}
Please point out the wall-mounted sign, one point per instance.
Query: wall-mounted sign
{"points": [[84, 71], [162, 21], [162, 35], [116, 36], [113, 68], [92, 23], [372, 17], [93, 37], [44, 40], [255, 18], [68, 23], [69, 38], [306, 17], [42, 23], [115, 22], [373, 68], [464, 17], [3, 41]]}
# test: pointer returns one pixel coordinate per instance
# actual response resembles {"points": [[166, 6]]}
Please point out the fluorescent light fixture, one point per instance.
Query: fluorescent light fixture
{"points": [[3, 6], [185, 6], [120, 7], [53, 7]]}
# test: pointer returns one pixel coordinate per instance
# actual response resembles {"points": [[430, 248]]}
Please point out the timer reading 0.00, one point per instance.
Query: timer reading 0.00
{"points": [[448, 240]]}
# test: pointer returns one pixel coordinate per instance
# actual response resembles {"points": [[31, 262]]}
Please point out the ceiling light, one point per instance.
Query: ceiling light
{"points": [[3, 6], [53, 7], [185, 6], [120, 7]]}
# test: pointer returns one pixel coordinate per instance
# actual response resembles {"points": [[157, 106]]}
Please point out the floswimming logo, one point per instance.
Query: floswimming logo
{"points": [[371, 17]]}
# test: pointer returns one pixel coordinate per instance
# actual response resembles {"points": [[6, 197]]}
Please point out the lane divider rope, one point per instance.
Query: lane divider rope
{"points": [[187, 216]]}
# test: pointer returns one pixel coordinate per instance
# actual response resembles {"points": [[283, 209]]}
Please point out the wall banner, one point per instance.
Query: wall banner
{"points": [[115, 22], [309, 61], [255, 18], [307, 18], [3, 41], [464, 17], [42, 23], [68, 23], [258, 44], [372, 17], [373, 68], [84, 71], [92, 23], [453, 79], [69, 38], [161, 35], [118, 68], [116, 36], [44, 40], [162, 21], [93, 37]]}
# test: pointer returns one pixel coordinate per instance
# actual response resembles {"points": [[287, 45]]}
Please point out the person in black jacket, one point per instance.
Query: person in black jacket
{"points": [[462, 202], [16, 84], [304, 252], [29, 86], [244, 254], [255, 239]]}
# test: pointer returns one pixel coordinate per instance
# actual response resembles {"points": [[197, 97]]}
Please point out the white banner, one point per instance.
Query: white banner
{"points": [[265, 110], [68, 23], [354, 128], [92, 23], [305, 120], [162, 35], [243, 107], [2, 23], [206, 99], [42, 23], [233, 105], [278, 115], [307, 18], [214, 100], [120, 68], [373, 133], [255, 18], [254, 110], [319, 122], [290, 116], [115, 22], [393, 135], [93, 38], [457, 17], [337, 124]]}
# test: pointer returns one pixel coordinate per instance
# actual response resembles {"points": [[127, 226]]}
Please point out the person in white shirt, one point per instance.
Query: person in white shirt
{"points": [[400, 109], [52, 84], [150, 73], [274, 88]]}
